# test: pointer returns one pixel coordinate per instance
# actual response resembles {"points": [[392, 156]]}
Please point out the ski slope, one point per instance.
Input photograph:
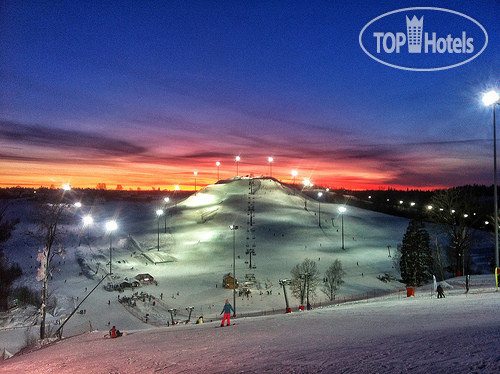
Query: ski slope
{"points": [[197, 248]]}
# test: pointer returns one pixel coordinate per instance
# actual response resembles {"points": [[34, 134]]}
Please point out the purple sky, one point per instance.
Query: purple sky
{"points": [[145, 93]]}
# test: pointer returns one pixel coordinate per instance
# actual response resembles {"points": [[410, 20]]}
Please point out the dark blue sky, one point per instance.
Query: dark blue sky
{"points": [[145, 93]]}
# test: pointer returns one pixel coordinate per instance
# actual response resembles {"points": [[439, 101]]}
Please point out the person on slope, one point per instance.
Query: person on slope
{"points": [[227, 313], [440, 292], [114, 333]]}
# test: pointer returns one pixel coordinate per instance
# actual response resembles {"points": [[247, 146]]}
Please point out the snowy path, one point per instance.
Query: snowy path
{"points": [[458, 334]]}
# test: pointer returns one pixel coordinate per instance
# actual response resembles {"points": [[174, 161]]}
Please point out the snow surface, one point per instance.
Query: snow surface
{"points": [[422, 334], [391, 334]]}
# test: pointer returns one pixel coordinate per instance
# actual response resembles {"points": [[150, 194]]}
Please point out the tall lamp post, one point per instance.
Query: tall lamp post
{"points": [[110, 227], [233, 228], [342, 210], [237, 159], [195, 174], [270, 160], [159, 213], [492, 99], [218, 166], [319, 208]]}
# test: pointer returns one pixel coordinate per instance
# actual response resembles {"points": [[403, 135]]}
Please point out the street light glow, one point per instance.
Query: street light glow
{"points": [[111, 225], [490, 98], [159, 212], [217, 163], [238, 158], [342, 209], [294, 173], [87, 220], [270, 159], [66, 187], [166, 199], [78, 204]]}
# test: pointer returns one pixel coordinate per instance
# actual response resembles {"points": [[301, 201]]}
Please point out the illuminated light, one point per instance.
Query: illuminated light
{"points": [[88, 220], [412, 203], [217, 163], [294, 173], [78, 204], [429, 207], [320, 194], [342, 209], [401, 201], [177, 188], [490, 98], [66, 187], [237, 158], [166, 199], [159, 212], [466, 215], [111, 225]]}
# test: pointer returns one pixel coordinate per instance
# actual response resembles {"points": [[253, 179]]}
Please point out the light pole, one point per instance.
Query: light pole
{"points": [[110, 227], [237, 159], [492, 99], [166, 199], [294, 175], [233, 228], [159, 213], [195, 174], [218, 166], [342, 210], [270, 159], [319, 208]]}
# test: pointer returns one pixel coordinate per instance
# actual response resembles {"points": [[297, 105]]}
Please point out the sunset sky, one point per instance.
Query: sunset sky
{"points": [[144, 93]]}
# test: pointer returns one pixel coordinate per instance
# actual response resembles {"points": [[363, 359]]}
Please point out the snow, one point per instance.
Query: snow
{"points": [[386, 334], [458, 334]]}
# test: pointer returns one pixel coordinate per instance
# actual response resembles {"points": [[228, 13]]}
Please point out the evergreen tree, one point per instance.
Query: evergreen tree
{"points": [[415, 262], [8, 273]]}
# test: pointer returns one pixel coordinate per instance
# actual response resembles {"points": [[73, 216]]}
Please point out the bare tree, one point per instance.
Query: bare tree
{"points": [[305, 280], [333, 280], [454, 209], [49, 233]]}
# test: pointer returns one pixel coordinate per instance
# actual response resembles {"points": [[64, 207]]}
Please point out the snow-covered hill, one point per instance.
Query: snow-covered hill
{"points": [[196, 250]]}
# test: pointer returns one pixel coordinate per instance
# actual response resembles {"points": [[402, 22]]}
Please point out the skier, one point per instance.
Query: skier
{"points": [[440, 292], [227, 313]]}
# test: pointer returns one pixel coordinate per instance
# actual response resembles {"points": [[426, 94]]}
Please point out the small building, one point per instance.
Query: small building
{"points": [[228, 281], [145, 278]]}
